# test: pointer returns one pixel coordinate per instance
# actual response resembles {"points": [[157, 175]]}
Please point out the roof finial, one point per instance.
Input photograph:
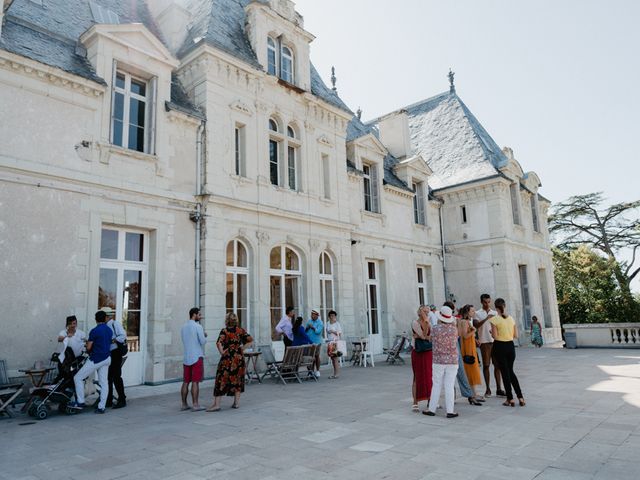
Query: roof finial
{"points": [[359, 113], [451, 75], [333, 79]]}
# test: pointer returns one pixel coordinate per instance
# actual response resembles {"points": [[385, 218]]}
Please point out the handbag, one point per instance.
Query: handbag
{"points": [[122, 348], [422, 345], [469, 359]]}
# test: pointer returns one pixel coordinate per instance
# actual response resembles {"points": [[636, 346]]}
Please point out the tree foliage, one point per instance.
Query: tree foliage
{"points": [[593, 283]]}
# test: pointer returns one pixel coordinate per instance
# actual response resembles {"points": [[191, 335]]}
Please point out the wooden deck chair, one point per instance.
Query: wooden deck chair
{"points": [[288, 369], [270, 361], [8, 391], [308, 358], [393, 353]]}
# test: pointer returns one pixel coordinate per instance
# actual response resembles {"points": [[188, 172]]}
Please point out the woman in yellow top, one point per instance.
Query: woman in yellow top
{"points": [[503, 331], [468, 348]]}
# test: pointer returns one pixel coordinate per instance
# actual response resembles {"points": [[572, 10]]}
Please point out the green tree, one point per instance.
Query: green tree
{"points": [[586, 287], [583, 220]]}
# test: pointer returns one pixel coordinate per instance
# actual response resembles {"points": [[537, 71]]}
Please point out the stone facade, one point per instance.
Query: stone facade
{"points": [[213, 119]]}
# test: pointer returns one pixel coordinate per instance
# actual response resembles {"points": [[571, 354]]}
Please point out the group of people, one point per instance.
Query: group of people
{"points": [[106, 347], [445, 349], [296, 332]]}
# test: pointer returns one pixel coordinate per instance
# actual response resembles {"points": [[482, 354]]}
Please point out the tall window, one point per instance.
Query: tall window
{"points": [[524, 290], [123, 274], [292, 158], [370, 179], [326, 177], [373, 297], [419, 216], [534, 213], [463, 213], [237, 272], [514, 190], [130, 112], [423, 297], [274, 152], [285, 276], [284, 171], [326, 287], [544, 293], [287, 65], [272, 57], [239, 153]]}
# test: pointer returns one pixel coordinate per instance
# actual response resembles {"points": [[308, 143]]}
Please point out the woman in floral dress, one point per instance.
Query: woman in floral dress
{"points": [[536, 332], [231, 368]]}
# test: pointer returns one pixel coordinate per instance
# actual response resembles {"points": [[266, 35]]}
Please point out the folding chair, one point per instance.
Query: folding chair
{"points": [[270, 361], [308, 359], [8, 391], [393, 353]]}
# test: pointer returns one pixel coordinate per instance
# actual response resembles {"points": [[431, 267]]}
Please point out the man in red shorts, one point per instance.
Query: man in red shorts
{"points": [[193, 340]]}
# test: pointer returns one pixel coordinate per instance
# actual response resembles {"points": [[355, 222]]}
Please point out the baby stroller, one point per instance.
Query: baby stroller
{"points": [[61, 391]]}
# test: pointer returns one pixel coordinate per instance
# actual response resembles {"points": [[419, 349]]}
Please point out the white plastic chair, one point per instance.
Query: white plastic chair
{"points": [[366, 353]]}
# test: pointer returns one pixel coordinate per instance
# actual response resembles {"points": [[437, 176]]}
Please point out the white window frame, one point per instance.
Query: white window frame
{"points": [[277, 137], [514, 194], [235, 270], [272, 68], [370, 178], [419, 212], [239, 154], [326, 304], [287, 56], [326, 176], [149, 106], [535, 217], [288, 144], [120, 264], [283, 274], [423, 287], [373, 282]]}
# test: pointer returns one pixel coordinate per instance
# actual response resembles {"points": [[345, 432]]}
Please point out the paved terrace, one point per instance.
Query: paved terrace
{"points": [[582, 421]]}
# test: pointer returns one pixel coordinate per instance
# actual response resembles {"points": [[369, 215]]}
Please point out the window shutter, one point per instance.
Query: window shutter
{"points": [[421, 212], [153, 88], [375, 201], [114, 70]]}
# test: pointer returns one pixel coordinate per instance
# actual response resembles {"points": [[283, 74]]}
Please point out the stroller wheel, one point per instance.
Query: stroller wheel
{"points": [[42, 412]]}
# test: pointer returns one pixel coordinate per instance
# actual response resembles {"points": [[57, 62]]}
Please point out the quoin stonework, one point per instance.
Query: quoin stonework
{"points": [[156, 156]]}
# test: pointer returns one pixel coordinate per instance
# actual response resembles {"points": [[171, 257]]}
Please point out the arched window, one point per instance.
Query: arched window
{"points": [[237, 272], [272, 57], [326, 287], [293, 149], [287, 73], [275, 144], [285, 275]]}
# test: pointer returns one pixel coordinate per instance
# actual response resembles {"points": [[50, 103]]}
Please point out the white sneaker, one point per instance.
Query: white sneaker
{"points": [[317, 373]]}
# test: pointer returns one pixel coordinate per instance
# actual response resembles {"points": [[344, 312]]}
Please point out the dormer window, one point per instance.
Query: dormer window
{"points": [[130, 113], [280, 60], [272, 57]]}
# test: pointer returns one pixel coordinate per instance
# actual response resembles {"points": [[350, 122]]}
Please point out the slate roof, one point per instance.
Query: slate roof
{"points": [[49, 34], [452, 141]]}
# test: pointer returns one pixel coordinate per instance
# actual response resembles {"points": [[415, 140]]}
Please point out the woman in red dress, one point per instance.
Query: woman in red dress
{"points": [[421, 361], [231, 368]]}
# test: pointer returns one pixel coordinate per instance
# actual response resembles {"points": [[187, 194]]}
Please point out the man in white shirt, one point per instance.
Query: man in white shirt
{"points": [[285, 326], [71, 337], [483, 326], [193, 340]]}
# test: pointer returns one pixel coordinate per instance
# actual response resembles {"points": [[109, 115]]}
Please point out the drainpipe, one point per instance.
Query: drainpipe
{"points": [[444, 257], [196, 216]]}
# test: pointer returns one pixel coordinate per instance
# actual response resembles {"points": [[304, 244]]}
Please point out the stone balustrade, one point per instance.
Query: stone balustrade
{"points": [[611, 335]]}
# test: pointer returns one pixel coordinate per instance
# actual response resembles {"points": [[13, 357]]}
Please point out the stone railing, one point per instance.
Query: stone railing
{"points": [[613, 335]]}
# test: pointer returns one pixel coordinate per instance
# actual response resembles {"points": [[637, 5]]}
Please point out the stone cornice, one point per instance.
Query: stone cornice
{"points": [[51, 75], [398, 191]]}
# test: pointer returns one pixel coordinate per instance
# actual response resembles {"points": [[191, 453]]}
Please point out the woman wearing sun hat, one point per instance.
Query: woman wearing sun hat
{"points": [[444, 338]]}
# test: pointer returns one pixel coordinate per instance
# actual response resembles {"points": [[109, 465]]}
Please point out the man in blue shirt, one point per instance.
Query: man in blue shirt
{"points": [[314, 329], [98, 346]]}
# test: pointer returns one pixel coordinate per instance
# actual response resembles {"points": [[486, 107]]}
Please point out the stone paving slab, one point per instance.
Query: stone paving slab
{"points": [[582, 421]]}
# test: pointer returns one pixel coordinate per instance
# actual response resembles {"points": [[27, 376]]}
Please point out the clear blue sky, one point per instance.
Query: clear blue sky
{"points": [[557, 81]]}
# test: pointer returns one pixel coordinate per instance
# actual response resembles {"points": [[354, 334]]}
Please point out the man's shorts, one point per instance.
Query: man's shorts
{"points": [[194, 373], [487, 354]]}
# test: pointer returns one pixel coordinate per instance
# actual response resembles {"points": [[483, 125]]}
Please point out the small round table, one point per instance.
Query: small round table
{"points": [[252, 360]]}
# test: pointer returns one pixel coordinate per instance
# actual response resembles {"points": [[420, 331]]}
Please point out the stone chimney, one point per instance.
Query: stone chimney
{"points": [[173, 19], [394, 133]]}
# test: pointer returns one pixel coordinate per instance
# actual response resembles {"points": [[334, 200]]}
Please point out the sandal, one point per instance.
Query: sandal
{"points": [[212, 409], [509, 403], [235, 405], [415, 408], [522, 402], [473, 401]]}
